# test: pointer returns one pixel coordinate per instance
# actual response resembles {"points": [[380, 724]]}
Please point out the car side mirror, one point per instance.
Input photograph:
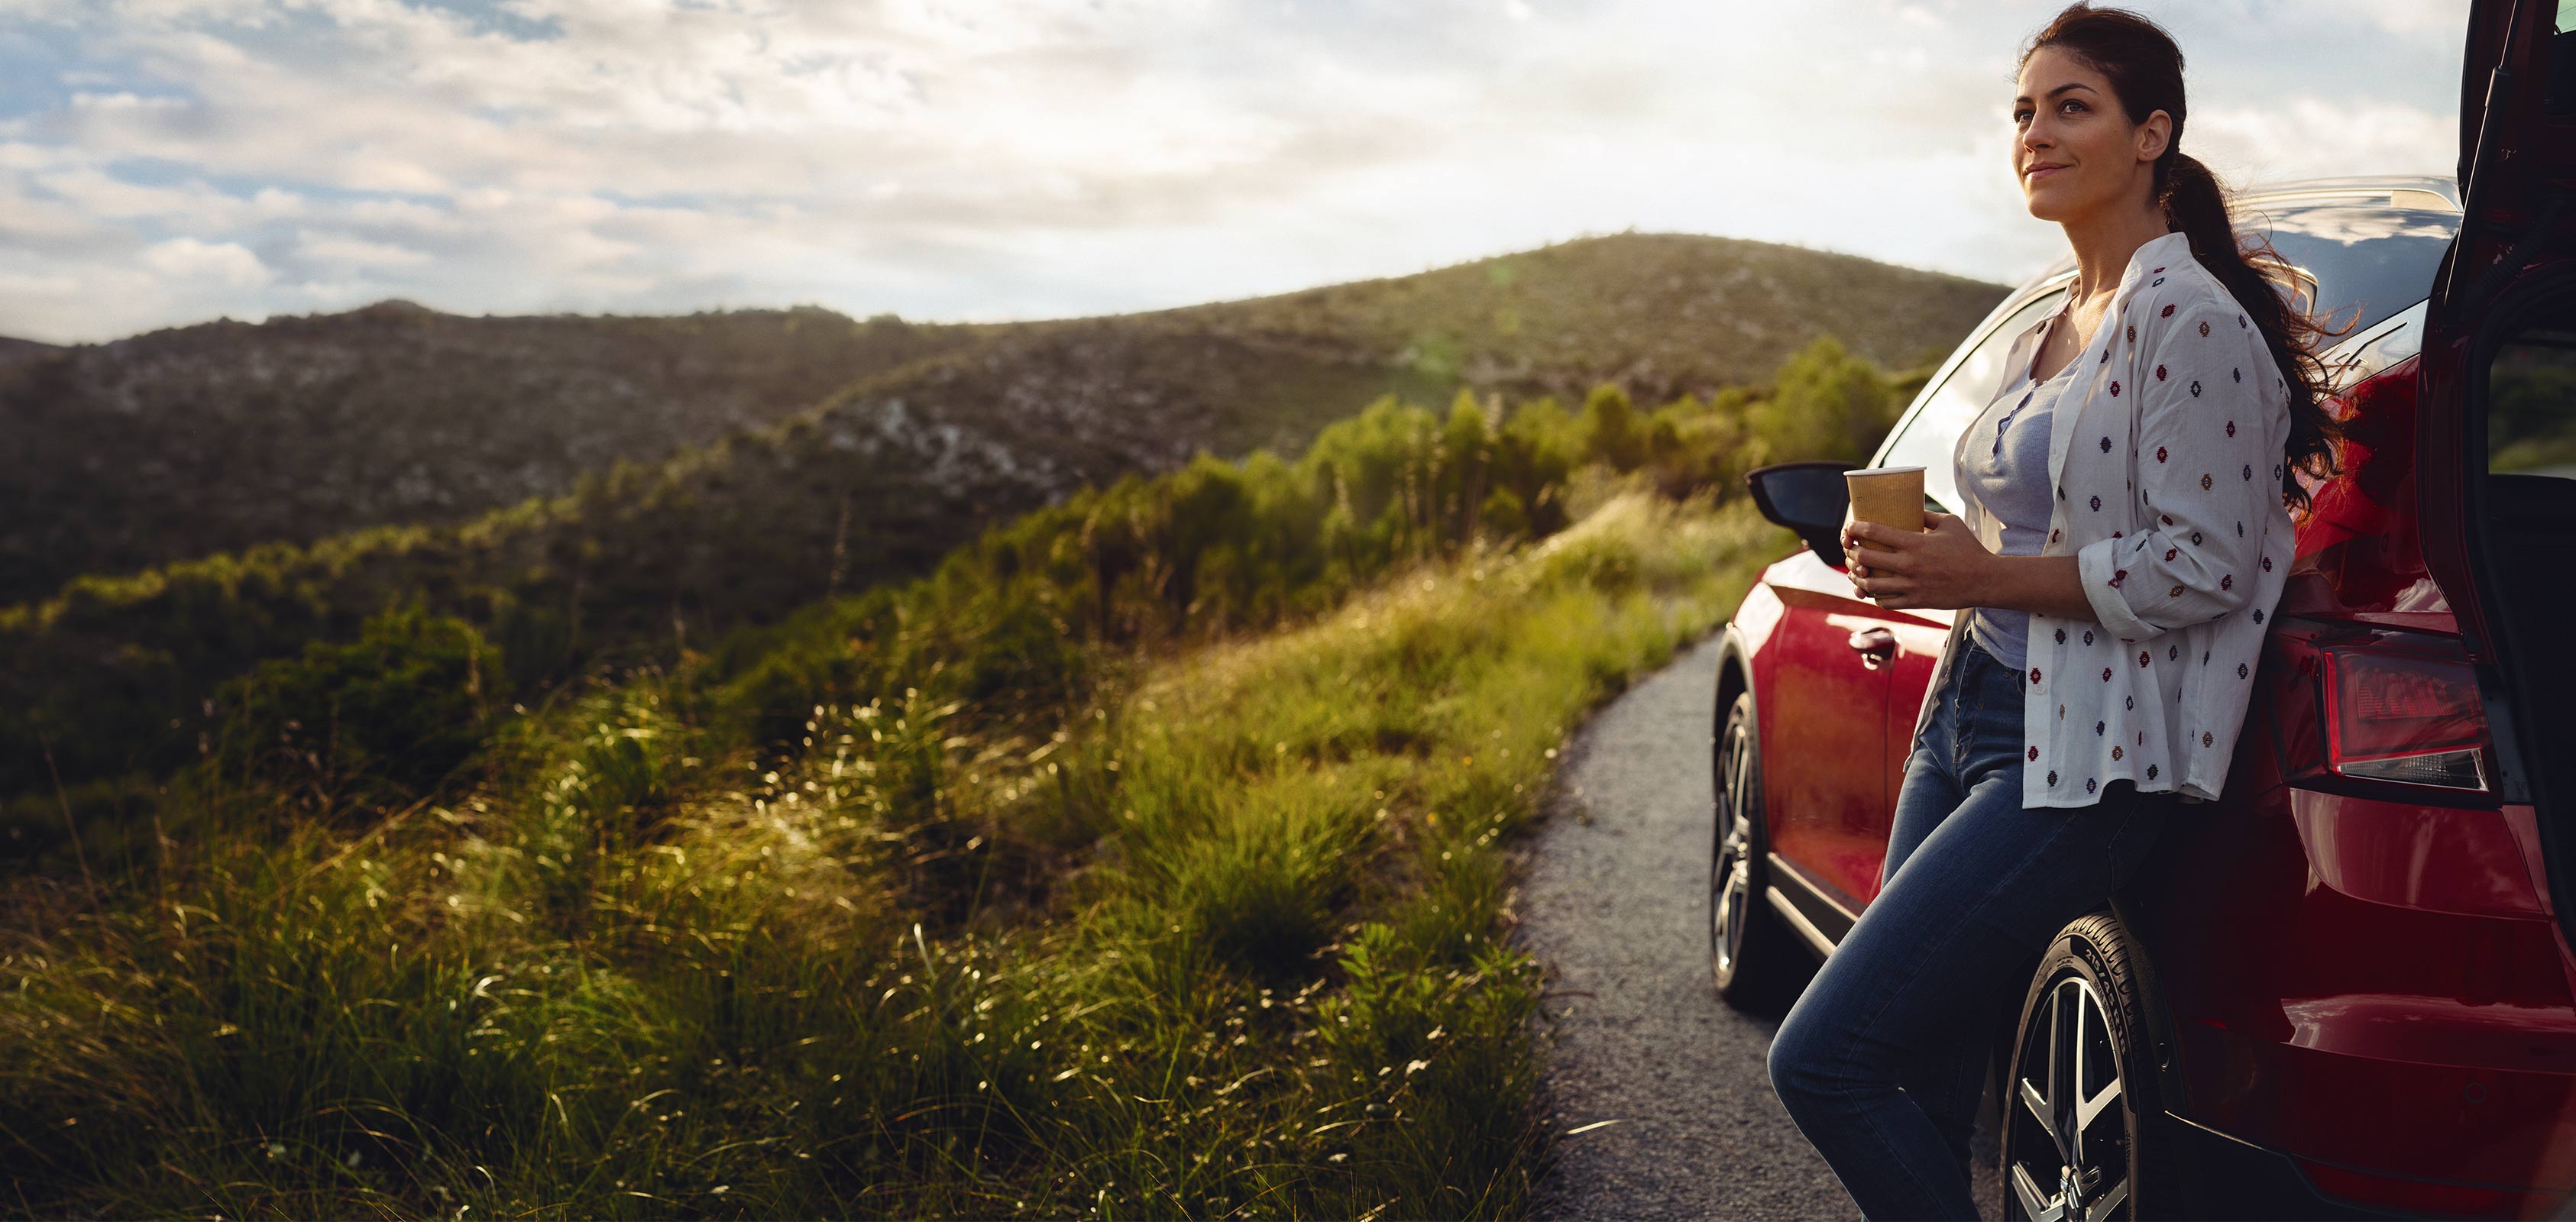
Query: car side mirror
{"points": [[1807, 497]]}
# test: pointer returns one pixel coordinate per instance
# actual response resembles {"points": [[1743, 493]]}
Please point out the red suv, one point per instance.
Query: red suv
{"points": [[2346, 989]]}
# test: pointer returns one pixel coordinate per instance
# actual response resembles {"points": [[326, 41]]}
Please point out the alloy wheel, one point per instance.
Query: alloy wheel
{"points": [[2070, 1157], [1731, 871]]}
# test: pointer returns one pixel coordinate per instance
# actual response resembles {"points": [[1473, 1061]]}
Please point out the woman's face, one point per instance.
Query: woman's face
{"points": [[2074, 151]]}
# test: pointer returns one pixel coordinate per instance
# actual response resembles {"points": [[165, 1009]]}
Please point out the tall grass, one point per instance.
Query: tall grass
{"points": [[1227, 938]]}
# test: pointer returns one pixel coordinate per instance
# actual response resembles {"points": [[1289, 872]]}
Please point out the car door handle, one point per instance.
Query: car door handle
{"points": [[1874, 645]]}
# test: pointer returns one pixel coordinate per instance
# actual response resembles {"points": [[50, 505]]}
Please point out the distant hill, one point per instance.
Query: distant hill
{"points": [[14, 350], [210, 438], [215, 437], [1661, 315]]}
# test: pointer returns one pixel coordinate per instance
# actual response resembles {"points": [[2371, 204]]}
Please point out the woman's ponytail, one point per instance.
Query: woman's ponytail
{"points": [[2193, 202], [2145, 69]]}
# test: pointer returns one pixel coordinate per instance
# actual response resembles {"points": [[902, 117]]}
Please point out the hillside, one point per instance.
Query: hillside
{"points": [[1661, 315], [217, 437], [1151, 855]]}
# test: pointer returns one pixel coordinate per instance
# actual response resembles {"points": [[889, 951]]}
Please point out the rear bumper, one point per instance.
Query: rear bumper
{"points": [[2223, 1177]]}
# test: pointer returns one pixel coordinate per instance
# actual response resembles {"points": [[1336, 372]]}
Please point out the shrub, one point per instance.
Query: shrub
{"points": [[381, 719]]}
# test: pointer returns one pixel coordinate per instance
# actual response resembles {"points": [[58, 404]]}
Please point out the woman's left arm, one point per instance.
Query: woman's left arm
{"points": [[2209, 435]]}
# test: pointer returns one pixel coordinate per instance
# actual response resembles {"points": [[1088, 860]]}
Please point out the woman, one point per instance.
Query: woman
{"points": [[2125, 533]]}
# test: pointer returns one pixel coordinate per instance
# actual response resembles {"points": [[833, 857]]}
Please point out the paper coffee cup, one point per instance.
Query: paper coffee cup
{"points": [[1889, 496]]}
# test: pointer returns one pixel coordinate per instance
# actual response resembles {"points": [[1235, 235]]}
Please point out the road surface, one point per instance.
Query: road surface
{"points": [[1615, 902]]}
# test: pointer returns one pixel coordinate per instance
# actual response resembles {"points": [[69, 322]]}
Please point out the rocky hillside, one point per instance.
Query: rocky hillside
{"points": [[195, 440], [216, 437], [14, 350], [1659, 314]]}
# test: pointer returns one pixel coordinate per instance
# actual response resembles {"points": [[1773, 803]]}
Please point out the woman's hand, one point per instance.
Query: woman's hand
{"points": [[1943, 568]]}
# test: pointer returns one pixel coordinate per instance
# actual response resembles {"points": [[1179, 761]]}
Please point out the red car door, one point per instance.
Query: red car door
{"points": [[1824, 729]]}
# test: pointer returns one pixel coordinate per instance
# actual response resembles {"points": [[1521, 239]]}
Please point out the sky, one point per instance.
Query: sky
{"points": [[164, 162]]}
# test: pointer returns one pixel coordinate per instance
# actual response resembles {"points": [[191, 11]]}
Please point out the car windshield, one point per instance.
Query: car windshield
{"points": [[1957, 400]]}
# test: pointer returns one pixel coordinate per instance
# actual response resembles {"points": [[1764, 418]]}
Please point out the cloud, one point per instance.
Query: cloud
{"points": [[343, 250], [2308, 136], [1020, 158], [226, 263], [101, 194], [2426, 17]]}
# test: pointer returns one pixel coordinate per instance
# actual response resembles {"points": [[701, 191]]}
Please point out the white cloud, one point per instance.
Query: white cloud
{"points": [[1018, 158], [189, 259], [93, 191], [43, 222], [126, 103], [341, 249], [2433, 18], [2308, 136], [400, 212], [20, 155]]}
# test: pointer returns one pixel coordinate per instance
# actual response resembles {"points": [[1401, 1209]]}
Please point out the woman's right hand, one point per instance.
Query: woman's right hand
{"points": [[1853, 566]]}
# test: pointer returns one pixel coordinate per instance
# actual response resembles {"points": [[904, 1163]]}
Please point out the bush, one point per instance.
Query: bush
{"points": [[381, 719], [1829, 404]]}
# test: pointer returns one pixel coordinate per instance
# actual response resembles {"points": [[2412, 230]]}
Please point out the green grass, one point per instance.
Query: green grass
{"points": [[1226, 936]]}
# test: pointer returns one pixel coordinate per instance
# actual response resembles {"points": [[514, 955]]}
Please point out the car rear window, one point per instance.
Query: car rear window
{"points": [[2371, 256], [2366, 261], [2376, 256]]}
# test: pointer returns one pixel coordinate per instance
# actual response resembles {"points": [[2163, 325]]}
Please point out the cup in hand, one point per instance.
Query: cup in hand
{"points": [[1889, 496]]}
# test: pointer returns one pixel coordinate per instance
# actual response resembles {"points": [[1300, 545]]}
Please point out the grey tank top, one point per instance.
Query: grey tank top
{"points": [[2004, 468]]}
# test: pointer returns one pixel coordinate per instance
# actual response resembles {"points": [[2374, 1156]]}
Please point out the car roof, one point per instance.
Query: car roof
{"points": [[2411, 191]]}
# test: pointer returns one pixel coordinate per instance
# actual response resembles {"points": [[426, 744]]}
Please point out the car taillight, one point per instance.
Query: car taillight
{"points": [[2401, 714], [2374, 711]]}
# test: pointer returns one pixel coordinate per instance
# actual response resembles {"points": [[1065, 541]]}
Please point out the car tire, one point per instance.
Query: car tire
{"points": [[2082, 1037], [1754, 958]]}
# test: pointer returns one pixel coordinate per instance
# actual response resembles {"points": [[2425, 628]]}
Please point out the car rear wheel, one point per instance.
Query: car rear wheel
{"points": [[1750, 953], [2082, 1077]]}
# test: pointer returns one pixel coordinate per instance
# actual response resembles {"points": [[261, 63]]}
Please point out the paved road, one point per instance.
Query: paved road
{"points": [[1615, 902]]}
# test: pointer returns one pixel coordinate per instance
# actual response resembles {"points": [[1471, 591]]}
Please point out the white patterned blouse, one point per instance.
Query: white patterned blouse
{"points": [[2166, 456]]}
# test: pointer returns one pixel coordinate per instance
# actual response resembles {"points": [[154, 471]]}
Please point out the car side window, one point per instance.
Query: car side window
{"points": [[2531, 404], [1927, 436]]}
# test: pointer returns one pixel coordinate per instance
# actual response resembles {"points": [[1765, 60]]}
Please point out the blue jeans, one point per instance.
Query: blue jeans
{"points": [[1882, 1059]]}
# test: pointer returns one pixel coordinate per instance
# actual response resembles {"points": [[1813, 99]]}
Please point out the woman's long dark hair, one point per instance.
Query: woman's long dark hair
{"points": [[2145, 70]]}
